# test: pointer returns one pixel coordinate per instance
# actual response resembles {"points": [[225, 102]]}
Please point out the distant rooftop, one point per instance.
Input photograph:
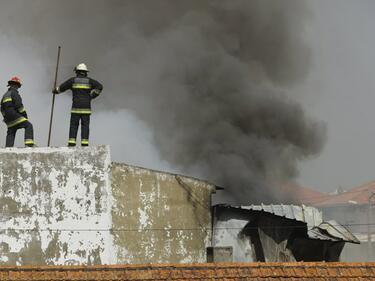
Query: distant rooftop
{"points": [[303, 194], [358, 195]]}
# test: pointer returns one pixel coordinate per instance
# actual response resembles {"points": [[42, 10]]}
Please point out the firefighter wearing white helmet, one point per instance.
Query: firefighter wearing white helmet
{"points": [[84, 90], [81, 67]]}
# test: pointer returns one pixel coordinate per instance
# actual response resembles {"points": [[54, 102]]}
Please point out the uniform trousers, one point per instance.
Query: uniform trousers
{"points": [[75, 119], [29, 134]]}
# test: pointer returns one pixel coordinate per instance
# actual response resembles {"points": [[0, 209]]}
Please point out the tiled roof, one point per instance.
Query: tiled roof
{"points": [[358, 195], [219, 271], [302, 194]]}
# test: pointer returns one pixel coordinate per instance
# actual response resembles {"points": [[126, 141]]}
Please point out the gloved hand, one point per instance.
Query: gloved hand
{"points": [[55, 90], [95, 93]]}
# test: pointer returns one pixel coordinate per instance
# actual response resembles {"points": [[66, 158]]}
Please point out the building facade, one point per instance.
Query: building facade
{"points": [[62, 206], [278, 233], [159, 217]]}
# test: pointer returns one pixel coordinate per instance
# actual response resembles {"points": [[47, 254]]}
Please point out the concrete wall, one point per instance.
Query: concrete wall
{"points": [[71, 206], [359, 253], [55, 206], [228, 227], [360, 220], [353, 216], [160, 217]]}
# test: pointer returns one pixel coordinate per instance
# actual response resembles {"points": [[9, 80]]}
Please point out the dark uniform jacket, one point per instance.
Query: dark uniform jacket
{"points": [[12, 108], [84, 90]]}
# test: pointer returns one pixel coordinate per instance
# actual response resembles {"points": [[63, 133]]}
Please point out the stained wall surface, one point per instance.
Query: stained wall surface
{"points": [[63, 206], [160, 217], [55, 206]]}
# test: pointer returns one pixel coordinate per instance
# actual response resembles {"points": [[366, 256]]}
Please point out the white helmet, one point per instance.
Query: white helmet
{"points": [[81, 67]]}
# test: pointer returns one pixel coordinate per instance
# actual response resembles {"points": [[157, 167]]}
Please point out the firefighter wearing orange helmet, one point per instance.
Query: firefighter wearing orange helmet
{"points": [[14, 113]]}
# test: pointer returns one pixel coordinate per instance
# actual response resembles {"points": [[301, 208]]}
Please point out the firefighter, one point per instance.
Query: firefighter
{"points": [[84, 90], [15, 115]]}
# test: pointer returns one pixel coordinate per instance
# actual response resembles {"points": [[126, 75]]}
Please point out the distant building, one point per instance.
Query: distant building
{"points": [[356, 210], [159, 217], [62, 206], [278, 233], [298, 194]]}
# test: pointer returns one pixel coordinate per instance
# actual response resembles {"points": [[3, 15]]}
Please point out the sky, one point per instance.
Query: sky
{"points": [[337, 90], [340, 90]]}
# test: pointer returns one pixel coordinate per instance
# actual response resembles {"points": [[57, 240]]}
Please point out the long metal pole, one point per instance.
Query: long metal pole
{"points": [[53, 96]]}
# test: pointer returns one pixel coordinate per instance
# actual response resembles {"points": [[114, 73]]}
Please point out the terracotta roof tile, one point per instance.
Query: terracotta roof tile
{"points": [[357, 195], [277, 271], [303, 194], [219, 271]]}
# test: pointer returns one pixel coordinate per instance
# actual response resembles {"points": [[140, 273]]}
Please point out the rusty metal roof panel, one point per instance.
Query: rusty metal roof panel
{"points": [[317, 229], [310, 215], [334, 230]]}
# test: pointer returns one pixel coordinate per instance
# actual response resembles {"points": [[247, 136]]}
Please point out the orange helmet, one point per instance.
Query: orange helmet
{"points": [[15, 80]]}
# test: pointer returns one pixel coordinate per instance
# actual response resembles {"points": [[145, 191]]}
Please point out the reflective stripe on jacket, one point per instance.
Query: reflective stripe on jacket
{"points": [[84, 89], [12, 108]]}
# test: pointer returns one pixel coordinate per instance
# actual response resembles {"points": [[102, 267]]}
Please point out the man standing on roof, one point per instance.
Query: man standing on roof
{"points": [[84, 89], [15, 115]]}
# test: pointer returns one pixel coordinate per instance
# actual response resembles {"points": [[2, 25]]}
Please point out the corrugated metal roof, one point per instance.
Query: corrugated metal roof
{"points": [[218, 271], [332, 230], [309, 215], [317, 229]]}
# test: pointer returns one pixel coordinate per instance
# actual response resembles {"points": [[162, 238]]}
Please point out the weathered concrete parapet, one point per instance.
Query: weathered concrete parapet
{"points": [[160, 217], [55, 206], [66, 206]]}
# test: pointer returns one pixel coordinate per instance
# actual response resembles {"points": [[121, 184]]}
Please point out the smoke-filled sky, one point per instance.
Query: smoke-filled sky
{"points": [[242, 93]]}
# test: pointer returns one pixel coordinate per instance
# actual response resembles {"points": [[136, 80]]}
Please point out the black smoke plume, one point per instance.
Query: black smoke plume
{"points": [[210, 78]]}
